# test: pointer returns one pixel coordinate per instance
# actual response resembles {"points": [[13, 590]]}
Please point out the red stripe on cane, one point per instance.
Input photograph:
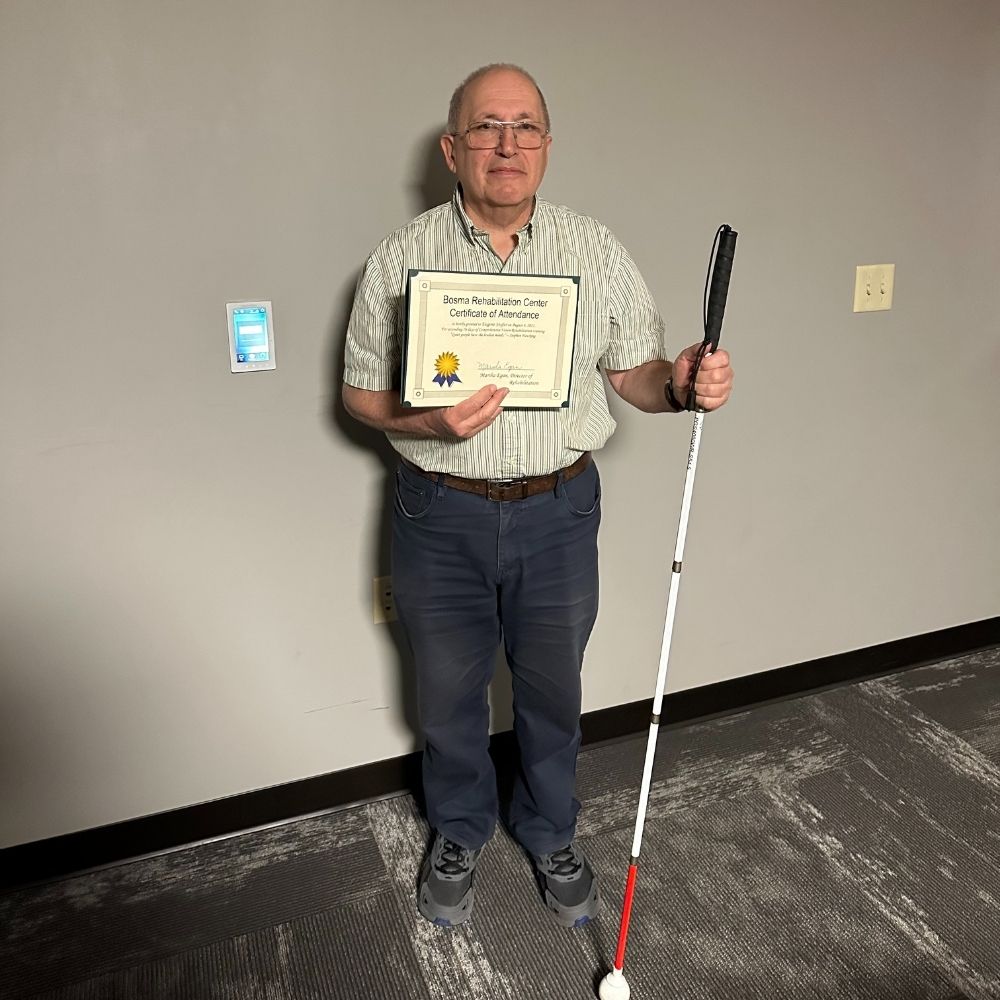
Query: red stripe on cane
{"points": [[633, 870]]}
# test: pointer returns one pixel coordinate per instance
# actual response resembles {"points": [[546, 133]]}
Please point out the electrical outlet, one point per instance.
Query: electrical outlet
{"points": [[873, 287], [383, 606]]}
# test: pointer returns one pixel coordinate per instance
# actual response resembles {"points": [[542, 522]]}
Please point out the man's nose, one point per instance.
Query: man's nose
{"points": [[507, 146]]}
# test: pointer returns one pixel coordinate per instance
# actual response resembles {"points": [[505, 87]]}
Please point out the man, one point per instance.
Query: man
{"points": [[496, 512]]}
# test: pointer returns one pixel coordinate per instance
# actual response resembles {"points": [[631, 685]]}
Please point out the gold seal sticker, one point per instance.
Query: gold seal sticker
{"points": [[446, 366]]}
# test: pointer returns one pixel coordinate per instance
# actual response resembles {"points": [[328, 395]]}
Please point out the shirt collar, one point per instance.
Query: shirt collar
{"points": [[473, 233]]}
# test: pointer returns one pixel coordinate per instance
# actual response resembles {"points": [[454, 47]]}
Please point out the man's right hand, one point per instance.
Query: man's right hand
{"points": [[466, 419], [381, 409]]}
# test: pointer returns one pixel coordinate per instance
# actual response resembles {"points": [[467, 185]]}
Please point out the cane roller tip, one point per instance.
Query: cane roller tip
{"points": [[614, 986]]}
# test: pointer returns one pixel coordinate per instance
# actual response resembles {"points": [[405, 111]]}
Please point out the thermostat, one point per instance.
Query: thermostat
{"points": [[251, 336]]}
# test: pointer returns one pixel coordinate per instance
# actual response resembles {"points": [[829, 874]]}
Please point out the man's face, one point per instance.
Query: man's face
{"points": [[507, 176]]}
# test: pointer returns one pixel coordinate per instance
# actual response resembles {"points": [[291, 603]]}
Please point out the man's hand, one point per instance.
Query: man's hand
{"points": [[643, 386], [713, 383], [381, 409], [472, 415]]}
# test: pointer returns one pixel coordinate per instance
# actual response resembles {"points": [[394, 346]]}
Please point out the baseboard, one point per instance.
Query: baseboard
{"points": [[56, 857]]}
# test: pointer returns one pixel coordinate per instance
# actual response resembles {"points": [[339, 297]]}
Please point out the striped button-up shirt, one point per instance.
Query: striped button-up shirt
{"points": [[618, 327]]}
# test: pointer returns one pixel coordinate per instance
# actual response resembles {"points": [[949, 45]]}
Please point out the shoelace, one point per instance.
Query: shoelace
{"points": [[564, 863], [454, 859]]}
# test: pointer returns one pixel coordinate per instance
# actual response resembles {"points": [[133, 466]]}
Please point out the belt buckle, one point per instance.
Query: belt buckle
{"points": [[496, 489]]}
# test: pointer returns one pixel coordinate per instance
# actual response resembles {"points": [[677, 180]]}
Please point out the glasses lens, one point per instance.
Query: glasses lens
{"points": [[487, 135], [483, 135], [528, 135]]}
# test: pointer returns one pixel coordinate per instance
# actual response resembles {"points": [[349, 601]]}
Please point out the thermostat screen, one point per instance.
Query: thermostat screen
{"points": [[250, 332]]}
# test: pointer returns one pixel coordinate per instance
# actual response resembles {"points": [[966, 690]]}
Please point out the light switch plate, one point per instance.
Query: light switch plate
{"points": [[873, 287]]}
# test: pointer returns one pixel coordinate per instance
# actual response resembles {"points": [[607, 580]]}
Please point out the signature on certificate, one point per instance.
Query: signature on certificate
{"points": [[488, 368]]}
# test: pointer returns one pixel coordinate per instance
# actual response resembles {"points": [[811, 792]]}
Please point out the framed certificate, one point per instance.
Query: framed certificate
{"points": [[467, 330]]}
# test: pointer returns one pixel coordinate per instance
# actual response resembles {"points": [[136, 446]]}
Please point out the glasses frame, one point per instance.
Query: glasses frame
{"points": [[499, 127]]}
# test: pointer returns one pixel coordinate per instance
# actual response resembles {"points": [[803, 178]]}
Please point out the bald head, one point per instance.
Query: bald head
{"points": [[458, 98]]}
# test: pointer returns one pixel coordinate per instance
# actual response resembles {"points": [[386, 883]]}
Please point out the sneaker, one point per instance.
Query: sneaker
{"points": [[445, 894], [569, 885]]}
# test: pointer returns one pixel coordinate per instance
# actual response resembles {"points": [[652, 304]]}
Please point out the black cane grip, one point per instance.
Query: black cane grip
{"points": [[719, 288]]}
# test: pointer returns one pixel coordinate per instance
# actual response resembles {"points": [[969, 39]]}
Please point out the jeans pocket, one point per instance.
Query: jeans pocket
{"points": [[414, 499], [582, 495]]}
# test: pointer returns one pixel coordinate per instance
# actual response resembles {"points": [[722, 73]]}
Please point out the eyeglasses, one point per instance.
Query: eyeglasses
{"points": [[487, 135]]}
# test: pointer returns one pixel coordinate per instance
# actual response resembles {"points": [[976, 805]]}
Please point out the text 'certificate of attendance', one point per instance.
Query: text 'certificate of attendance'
{"points": [[464, 331]]}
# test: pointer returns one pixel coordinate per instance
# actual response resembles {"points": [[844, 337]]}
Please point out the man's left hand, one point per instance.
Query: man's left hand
{"points": [[713, 383]]}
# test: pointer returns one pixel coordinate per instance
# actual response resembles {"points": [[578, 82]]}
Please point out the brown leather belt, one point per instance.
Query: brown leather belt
{"points": [[506, 489]]}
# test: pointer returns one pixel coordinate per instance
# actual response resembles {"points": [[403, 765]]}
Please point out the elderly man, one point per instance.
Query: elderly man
{"points": [[496, 511]]}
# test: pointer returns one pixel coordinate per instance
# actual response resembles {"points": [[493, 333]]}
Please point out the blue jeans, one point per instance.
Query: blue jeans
{"points": [[469, 573]]}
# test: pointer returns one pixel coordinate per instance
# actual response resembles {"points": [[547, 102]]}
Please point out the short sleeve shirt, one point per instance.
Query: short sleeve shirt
{"points": [[618, 327]]}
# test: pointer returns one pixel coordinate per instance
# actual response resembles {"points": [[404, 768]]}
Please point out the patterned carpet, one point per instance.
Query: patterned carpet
{"points": [[840, 845]]}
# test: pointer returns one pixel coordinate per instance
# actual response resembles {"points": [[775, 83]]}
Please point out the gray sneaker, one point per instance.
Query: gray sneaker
{"points": [[445, 893], [569, 885]]}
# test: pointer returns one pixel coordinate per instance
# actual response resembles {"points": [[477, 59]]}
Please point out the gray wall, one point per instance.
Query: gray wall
{"points": [[186, 555]]}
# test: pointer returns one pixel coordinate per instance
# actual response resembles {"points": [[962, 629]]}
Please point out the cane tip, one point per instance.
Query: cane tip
{"points": [[614, 986]]}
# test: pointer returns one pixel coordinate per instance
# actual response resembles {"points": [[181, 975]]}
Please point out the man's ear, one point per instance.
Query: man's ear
{"points": [[448, 148]]}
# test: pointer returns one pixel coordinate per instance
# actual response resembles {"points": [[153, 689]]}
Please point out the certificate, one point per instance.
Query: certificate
{"points": [[465, 330]]}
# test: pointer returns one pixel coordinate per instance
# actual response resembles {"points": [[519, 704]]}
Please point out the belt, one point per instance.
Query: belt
{"points": [[506, 489]]}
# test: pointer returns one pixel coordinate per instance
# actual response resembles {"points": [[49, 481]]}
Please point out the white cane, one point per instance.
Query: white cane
{"points": [[614, 985]]}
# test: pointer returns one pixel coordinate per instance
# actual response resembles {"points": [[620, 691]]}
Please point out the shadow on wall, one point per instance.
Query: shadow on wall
{"points": [[433, 185], [435, 182]]}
